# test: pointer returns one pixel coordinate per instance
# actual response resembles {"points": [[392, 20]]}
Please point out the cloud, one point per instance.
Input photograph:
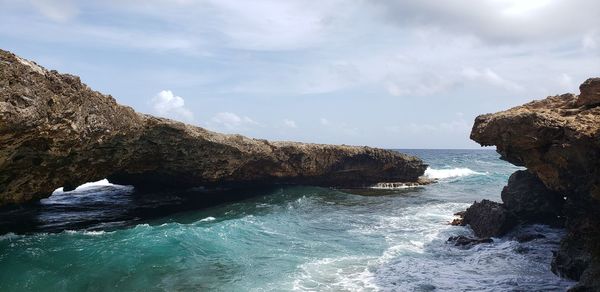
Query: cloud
{"points": [[458, 125], [566, 83], [56, 10], [289, 123], [231, 121], [590, 41], [165, 103], [489, 76], [502, 21], [425, 84]]}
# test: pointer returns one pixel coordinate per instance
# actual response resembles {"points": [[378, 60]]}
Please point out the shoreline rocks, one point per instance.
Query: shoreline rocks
{"points": [[528, 199], [57, 132], [489, 219], [558, 140], [468, 242]]}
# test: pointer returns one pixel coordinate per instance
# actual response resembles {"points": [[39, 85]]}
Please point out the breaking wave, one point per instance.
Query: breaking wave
{"points": [[450, 172], [91, 185]]}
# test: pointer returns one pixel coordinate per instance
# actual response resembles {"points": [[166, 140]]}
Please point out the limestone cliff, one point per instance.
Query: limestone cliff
{"points": [[55, 131], [558, 140]]}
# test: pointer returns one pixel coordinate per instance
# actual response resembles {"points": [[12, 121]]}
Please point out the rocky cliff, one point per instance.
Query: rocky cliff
{"points": [[558, 140], [55, 131]]}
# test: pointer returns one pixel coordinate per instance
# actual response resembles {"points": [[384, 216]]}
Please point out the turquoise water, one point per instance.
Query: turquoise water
{"points": [[108, 238]]}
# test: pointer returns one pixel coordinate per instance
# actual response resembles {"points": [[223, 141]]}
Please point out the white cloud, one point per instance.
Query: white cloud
{"points": [[426, 84], [458, 125], [56, 10], [290, 123], [491, 77], [590, 41], [165, 103], [566, 83], [505, 21], [324, 121], [231, 121]]}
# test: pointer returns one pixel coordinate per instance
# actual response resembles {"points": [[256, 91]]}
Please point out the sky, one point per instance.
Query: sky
{"points": [[393, 74]]}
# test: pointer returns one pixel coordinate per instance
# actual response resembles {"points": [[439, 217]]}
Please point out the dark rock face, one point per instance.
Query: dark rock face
{"points": [[489, 219], [558, 140], [590, 279], [528, 199], [55, 131], [572, 258], [468, 242]]}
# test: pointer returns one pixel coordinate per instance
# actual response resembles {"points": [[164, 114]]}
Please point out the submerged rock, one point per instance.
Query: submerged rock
{"points": [[57, 132], [558, 140], [468, 242]]}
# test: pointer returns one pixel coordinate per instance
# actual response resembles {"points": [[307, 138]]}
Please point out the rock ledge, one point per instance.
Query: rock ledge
{"points": [[57, 132]]}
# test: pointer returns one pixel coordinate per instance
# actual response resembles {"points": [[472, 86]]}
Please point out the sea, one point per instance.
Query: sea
{"points": [[104, 237]]}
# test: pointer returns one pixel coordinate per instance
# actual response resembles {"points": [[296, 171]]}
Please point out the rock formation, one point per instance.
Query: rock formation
{"points": [[558, 140], [525, 200], [488, 219], [530, 201], [55, 131], [468, 242]]}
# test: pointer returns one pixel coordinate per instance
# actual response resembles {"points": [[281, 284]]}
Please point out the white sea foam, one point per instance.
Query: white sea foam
{"points": [[89, 185], [450, 172], [394, 186], [8, 236], [350, 273], [94, 233], [208, 219], [408, 233], [87, 232]]}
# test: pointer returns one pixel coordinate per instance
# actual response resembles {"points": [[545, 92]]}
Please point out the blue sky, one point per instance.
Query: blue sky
{"points": [[395, 74]]}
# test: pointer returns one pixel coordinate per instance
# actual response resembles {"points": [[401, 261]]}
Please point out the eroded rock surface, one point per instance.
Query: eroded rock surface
{"points": [[55, 131], [468, 242], [488, 219], [528, 199], [558, 140]]}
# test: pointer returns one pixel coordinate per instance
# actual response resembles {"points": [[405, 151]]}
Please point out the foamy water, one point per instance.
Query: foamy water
{"points": [[450, 172], [91, 185]]}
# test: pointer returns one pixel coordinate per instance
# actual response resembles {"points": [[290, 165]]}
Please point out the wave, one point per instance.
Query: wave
{"points": [[88, 232], [207, 219], [349, 273], [450, 172], [394, 186], [89, 185], [8, 236]]}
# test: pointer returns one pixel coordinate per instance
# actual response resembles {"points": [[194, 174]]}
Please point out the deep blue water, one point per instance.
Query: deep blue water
{"points": [[110, 238]]}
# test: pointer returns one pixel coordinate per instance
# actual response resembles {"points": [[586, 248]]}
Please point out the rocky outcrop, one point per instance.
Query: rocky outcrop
{"points": [[488, 219], [55, 131], [525, 200], [558, 140], [468, 242], [530, 201]]}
